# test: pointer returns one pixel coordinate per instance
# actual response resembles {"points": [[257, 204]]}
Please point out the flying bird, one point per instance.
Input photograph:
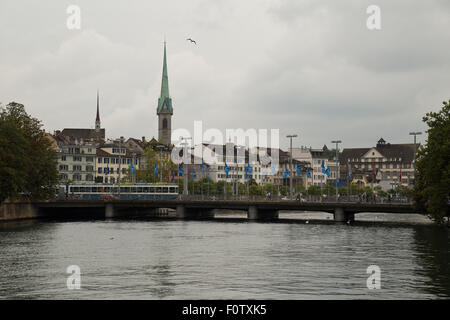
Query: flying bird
{"points": [[191, 40]]}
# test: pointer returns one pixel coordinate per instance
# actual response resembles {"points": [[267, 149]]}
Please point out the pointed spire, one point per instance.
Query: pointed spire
{"points": [[97, 119], [164, 101], [98, 113]]}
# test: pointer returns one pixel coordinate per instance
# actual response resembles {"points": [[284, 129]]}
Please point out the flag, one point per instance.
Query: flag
{"points": [[203, 168], [323, 166], [226, 169], [156, 169], [327, 172], [373, 171], [194, 175], [180, 169], [286, 173], [249, 169], [348, 171], [299, 170], [308, 173], [245, 175], [131, 167], [339, 182]]}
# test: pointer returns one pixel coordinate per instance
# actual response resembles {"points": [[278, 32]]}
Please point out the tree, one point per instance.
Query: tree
{"points": [[432, 181], [28, 163], [163, 163]]}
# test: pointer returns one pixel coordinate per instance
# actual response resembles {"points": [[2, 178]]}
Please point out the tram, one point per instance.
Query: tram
{"points": [[137, 191]]}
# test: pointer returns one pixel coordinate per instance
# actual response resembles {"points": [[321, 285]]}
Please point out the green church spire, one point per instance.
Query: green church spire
{"points": [[164, 101]]}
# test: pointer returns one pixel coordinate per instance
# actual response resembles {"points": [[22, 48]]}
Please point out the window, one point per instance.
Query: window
{"points": [[164, 123], [89, 168], [106, 160], [77, 150], [76, 158], [77, 168], [89, 159], [63, 167], [99, 160], [63, 158], [89, 177], [99, 170]]}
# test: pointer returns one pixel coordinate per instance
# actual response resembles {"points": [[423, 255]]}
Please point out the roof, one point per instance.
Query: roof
{"points": [[403, 151], [85, 134], [103, 153]]}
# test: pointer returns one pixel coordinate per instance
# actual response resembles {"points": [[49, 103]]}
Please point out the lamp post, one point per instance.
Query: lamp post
{"points": [[415, 134], [337, 164], [160, 148], [290, 136], [184, 144], [134, 163], [120, 160]]}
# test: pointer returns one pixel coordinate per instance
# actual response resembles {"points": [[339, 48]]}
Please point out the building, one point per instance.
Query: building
{"points": [[76, 160], [312, 159], [385, 164], [165, 110], [113, 157]]}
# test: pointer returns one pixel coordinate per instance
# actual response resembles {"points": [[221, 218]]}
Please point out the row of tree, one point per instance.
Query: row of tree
{"points": [[208, 187]]}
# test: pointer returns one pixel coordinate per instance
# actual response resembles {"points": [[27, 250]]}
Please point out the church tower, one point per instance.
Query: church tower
{"points": [[165, 110], [97, 119]]}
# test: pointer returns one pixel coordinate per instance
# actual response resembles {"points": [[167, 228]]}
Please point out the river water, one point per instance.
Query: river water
{"points": [[226, 258]]}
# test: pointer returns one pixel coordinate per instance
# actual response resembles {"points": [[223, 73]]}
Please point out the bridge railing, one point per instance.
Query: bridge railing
{"points": [[305, 198]]}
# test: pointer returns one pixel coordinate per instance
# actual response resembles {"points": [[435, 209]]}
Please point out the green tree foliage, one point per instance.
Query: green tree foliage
{"points": [[314, 190], [432, 188], [147, 174], [28, 164]]}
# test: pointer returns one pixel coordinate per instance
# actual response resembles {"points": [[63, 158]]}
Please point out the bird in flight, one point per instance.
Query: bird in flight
{"points": [[191, 40]]}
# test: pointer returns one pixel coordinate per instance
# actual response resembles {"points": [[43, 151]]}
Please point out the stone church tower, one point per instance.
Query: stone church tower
{"points": [[165, 110]]}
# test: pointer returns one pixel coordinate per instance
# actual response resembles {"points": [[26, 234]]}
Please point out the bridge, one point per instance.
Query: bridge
{"points": [[201, 209]]}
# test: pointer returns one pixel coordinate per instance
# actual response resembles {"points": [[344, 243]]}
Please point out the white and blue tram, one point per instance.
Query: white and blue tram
{"points": [[138, 191]]}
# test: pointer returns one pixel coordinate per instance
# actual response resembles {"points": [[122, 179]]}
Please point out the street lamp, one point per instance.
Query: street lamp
{"points": [[185, 155], [160, 148], [290, 136], [120, 160], [415, 134], [337, 164]]}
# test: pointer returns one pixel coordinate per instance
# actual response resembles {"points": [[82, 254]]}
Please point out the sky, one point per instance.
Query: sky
{"points": [[305, 67]]}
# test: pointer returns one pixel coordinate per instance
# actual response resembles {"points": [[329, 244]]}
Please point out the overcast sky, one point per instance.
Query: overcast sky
{"points": [[309, 67]]}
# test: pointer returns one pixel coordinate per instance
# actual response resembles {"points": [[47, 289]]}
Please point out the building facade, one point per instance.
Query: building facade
{"points": [[76, 161], [385, 164], [112, 158]]}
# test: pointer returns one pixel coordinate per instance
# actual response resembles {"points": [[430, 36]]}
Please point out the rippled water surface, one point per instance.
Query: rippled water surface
{"points": [[222, 259]]}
